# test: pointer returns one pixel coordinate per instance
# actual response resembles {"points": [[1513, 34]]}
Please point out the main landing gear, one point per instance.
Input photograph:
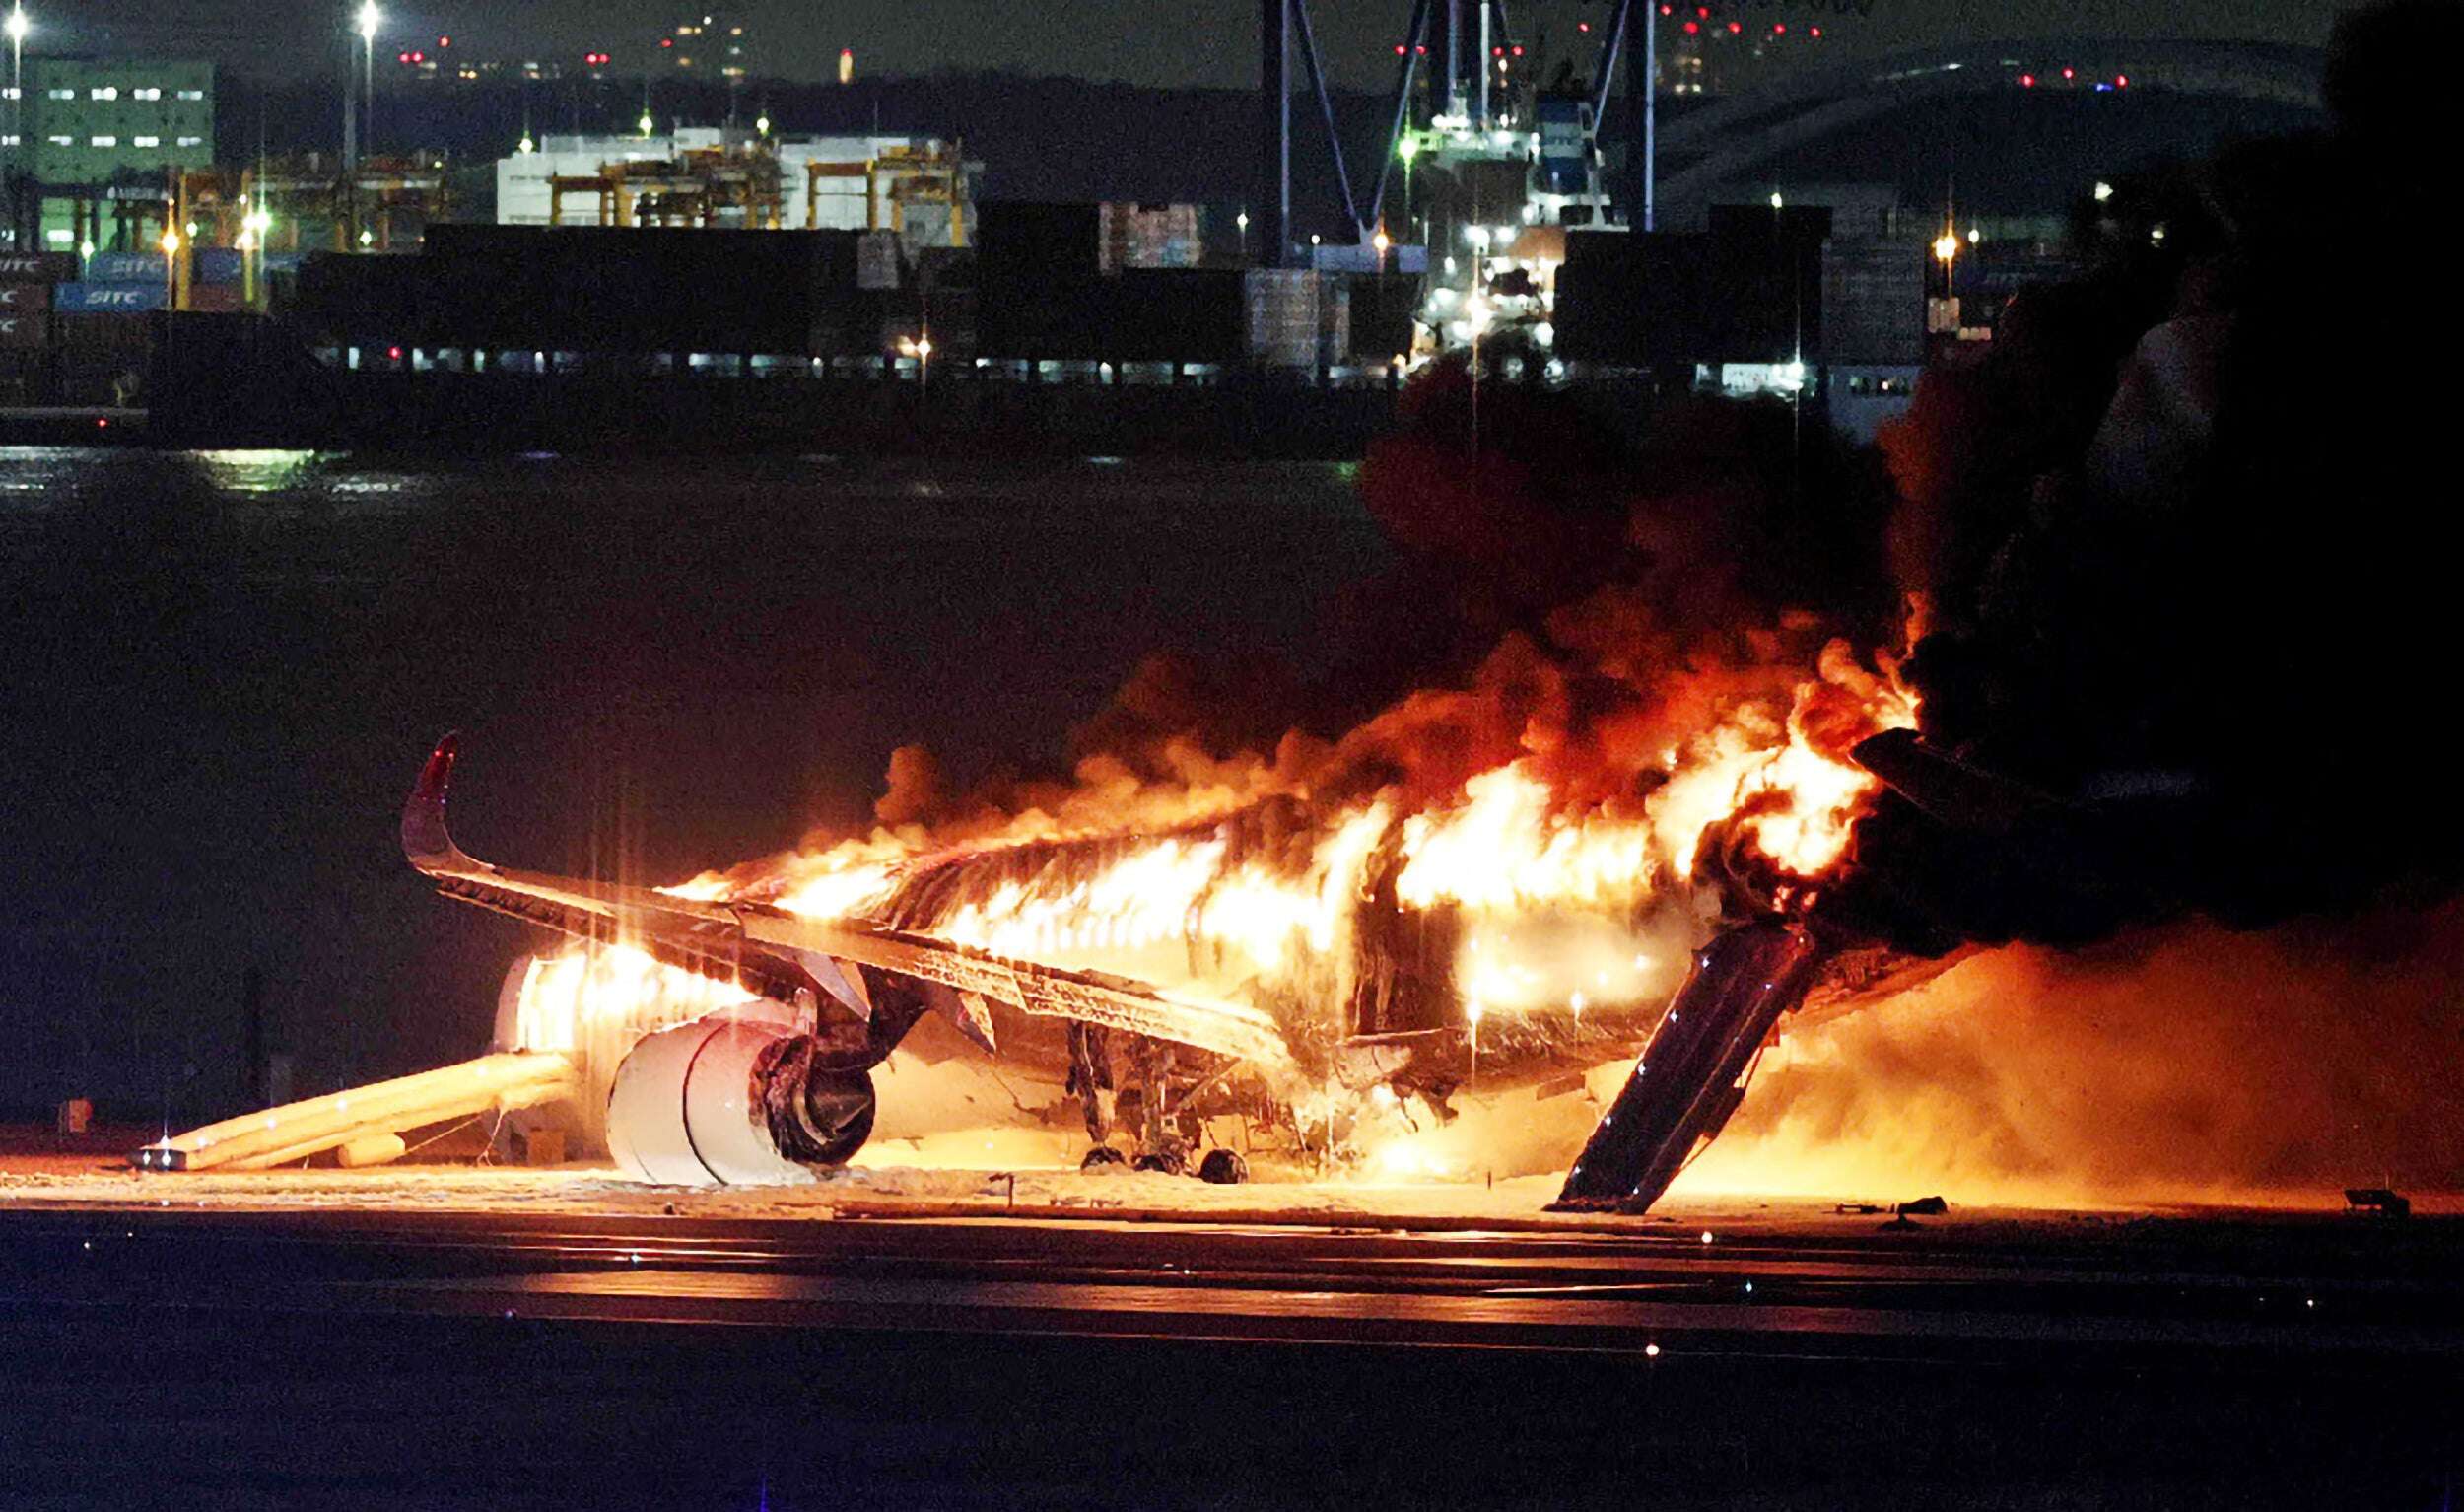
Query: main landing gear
{"points": [[1143, 1107]]}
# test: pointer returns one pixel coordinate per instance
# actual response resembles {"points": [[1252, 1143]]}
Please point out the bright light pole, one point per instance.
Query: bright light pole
{"points": [[1946, 252], [171, 267], [256, 229], [1407, 148], [17, 27], [369, 19]]}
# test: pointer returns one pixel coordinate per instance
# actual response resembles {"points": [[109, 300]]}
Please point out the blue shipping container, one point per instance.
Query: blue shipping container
{"points": [[124, 267], [90, 299], [217, 266]]}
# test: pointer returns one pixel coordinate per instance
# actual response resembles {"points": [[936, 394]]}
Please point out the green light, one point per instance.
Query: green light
{"points": [[762, 125], [1408, 148], [645, 123]]}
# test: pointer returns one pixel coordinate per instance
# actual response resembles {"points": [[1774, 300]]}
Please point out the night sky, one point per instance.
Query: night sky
{"points": [[1169, 43]]}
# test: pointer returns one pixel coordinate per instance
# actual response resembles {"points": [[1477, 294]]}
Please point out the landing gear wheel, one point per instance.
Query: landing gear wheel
{"points": [[1101, 1157], [1223, 1168], [1170, 1159]]}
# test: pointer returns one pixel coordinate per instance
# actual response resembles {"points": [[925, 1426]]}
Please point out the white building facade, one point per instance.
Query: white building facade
{"points": [[836, 200]]}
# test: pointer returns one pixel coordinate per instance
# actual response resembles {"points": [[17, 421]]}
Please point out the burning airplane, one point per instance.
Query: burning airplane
{"points": [[1332, 934]]}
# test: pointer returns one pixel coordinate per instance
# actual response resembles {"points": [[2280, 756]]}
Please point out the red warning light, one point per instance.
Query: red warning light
{"points": [[2069, 74], [419, 57], [1398, 49], [395, 353], [1518, 52], [1816, 31], [1582, 26], [2027, 81], [1735, 26], [1779, 28], [1667, 9], [402, 57], [1703, 11], [1693, 26], [2121, 81], [667, 41], [445, 42], [1421, 52]]}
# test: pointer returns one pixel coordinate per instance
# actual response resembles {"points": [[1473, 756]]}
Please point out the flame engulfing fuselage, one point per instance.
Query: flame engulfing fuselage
{"points": [[1294, 942]]}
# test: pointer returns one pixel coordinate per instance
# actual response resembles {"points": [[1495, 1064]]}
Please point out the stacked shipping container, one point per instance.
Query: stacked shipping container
{"points": [[72, 334]]}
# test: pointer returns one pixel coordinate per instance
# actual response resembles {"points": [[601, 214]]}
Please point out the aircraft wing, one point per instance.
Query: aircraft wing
{"points": [[782, 955]]}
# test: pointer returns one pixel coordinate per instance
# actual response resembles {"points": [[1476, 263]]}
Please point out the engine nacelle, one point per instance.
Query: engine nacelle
{"points": [[739, 1097]]}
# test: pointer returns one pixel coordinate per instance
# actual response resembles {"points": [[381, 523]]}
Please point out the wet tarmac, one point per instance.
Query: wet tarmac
{"points": [[425, 1359]]}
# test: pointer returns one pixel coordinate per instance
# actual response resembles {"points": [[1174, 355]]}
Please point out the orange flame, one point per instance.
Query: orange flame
{"points": [[1551, 879]]}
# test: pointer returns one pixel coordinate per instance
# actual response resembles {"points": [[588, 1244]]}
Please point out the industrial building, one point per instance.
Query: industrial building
{"points": [[98, 129], [921, 188]]}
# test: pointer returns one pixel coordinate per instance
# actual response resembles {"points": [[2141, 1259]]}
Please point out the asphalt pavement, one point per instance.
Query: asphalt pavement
{"points": [[375, 1358]]}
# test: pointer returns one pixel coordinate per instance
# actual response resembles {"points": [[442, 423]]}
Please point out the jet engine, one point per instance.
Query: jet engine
{"points": [[739, 1097]]}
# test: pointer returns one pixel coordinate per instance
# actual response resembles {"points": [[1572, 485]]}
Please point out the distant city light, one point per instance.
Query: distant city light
{"points": [[847, 65], [1407, 148], [18, 25], [1775, 199], [2105, 191], [369, 20]]}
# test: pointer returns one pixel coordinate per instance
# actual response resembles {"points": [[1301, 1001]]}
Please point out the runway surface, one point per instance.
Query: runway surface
{"points": [[455, 1359]]}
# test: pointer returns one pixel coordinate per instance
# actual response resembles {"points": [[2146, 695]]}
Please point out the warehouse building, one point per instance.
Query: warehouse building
{"points": [[95, 126]]}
